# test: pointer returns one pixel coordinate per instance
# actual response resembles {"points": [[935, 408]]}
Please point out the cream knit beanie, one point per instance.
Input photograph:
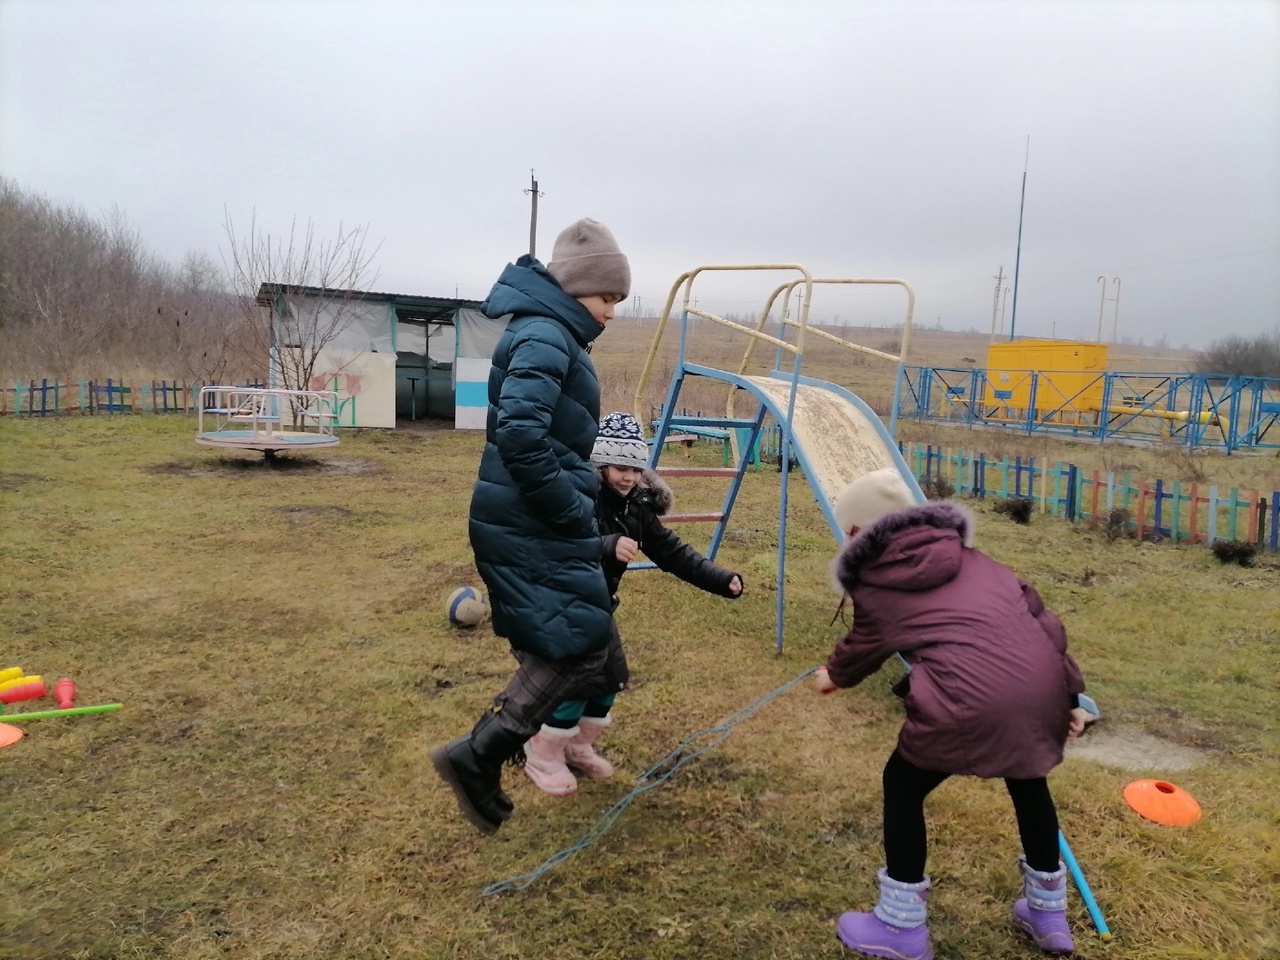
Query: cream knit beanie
{"points": [[872, 496], [586, 261]]}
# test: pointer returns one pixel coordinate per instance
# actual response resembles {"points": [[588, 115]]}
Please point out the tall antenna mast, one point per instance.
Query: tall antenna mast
{"points": [[1013, 319], [533, 215]]}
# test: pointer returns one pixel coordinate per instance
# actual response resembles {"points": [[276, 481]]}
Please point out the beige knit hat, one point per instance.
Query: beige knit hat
{"points": [[586, 261], [872, 496]]}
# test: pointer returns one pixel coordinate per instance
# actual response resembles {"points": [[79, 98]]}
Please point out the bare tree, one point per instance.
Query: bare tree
{"points": [[199, 321], [1243, 356], [63, 286], [80, 295], [333, 274]]}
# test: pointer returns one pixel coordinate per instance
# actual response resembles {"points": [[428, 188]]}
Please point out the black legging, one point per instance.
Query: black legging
{"points": [[905, 840]]}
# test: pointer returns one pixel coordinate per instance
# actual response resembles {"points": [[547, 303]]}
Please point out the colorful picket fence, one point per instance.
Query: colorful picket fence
{"points": [[42, 398], [1179, 512]]}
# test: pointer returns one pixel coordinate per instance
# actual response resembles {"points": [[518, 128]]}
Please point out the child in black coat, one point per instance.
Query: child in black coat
{"points": [[632, 502]]}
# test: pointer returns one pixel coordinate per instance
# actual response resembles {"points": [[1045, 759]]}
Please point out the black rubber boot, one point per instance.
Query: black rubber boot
{"points": [[472, 767]]}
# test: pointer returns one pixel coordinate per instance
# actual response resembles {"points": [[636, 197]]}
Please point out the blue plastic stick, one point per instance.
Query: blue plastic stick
{"points": [[1082, 885]]}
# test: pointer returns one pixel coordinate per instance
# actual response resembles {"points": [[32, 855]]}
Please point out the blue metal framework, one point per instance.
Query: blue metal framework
{"points": [[764, 403], [1199, 411]]}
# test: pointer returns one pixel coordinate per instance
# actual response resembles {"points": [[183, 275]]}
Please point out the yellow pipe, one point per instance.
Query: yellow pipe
{"points": [[1180, 415]]}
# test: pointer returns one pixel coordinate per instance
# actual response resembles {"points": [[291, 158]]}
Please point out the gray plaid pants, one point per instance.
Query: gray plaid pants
{"points": [[537, 687]]}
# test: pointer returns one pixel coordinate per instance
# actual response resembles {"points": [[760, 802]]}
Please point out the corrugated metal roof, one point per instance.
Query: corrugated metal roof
{"points": [[408, 306]]}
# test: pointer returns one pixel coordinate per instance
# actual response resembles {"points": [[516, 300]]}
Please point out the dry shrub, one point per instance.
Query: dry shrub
{"points": [[1235, 551], [1117, 524], [1017, 509], [937, 488]]}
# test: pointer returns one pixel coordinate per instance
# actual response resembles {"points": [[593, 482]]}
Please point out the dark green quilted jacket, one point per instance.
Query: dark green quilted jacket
{"points": [[533, 509]]}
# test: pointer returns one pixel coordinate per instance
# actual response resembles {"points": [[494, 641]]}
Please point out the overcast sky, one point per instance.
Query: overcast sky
{"points": [[861, 138]]}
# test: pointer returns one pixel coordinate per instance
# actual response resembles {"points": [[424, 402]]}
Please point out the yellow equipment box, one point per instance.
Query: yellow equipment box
{"points": [[1070, 374]]}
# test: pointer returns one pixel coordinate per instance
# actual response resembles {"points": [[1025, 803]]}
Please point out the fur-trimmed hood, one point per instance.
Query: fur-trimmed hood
{"points": [[913, 549], [651, 486]]}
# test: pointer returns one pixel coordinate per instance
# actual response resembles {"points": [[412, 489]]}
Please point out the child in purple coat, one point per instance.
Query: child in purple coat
{"points": [[992, 692]]}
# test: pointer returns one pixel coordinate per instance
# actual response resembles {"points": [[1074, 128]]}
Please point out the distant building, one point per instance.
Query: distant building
{"points": [[389, 356]]}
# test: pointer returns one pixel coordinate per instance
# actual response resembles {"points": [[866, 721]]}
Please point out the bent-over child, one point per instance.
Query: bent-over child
{"points": [[992, 692], [633, 500]]}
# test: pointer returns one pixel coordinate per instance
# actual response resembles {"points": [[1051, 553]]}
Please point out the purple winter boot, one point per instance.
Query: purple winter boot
{"points": [[896, 928], [1042, 912]]}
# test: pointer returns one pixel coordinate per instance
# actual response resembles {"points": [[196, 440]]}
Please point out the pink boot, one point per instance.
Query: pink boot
{"points": [[544, 761], [896, 928], [580, 754]]}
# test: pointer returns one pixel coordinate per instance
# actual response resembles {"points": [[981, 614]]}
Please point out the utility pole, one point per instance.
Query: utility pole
{"points": [[1115, 326], [1101, 304], [995, 306], [1017, 262], [533, 216]]}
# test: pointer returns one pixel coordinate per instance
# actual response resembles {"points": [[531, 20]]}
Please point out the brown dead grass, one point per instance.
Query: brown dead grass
{"points": [[265, 791]]}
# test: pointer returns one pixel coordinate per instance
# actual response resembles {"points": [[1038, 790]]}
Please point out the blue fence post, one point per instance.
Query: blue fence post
{"points": [[1158, 525], [981, 485], [1275, 520], [1073, 474]]}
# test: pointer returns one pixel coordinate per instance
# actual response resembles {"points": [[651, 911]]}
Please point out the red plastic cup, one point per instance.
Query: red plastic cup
{"points": [[64, 691], [24, 691]]}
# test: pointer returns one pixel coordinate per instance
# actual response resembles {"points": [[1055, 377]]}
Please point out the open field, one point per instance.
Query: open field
{"points": [[278, 639], [621, 351]]}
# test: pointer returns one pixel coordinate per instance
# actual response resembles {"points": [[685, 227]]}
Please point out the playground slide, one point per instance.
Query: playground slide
{"points": [[836, 437]]}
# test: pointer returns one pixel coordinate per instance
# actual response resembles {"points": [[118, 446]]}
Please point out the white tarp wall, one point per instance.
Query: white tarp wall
{"points": [[365, 384], [477, 336], [357, 358]]}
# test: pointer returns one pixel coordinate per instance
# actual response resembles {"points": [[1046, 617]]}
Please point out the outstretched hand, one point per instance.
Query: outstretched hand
{"points": [[822, 682], [626, 549], [1080, 717], [735, 586]]}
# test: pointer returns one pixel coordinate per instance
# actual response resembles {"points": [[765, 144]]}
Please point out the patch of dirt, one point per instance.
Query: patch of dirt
{"points": [[1132, 749], [221, 466], [12, 481], [302, 515]]}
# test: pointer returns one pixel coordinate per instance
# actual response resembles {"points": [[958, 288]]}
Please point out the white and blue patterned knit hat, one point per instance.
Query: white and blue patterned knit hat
{"points": [[620, 443]]}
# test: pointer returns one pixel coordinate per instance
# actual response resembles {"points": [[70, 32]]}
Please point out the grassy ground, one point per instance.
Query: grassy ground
{"points": [[278, 639]]}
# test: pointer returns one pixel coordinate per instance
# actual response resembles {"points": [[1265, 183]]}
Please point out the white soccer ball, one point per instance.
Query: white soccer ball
{"points": [[467, 607]]}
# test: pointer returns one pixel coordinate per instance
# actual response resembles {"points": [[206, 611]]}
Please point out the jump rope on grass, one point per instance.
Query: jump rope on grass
{"points": [[693, 747]]}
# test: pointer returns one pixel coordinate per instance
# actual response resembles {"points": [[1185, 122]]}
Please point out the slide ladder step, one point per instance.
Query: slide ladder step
{"points": [[693, 518]]}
